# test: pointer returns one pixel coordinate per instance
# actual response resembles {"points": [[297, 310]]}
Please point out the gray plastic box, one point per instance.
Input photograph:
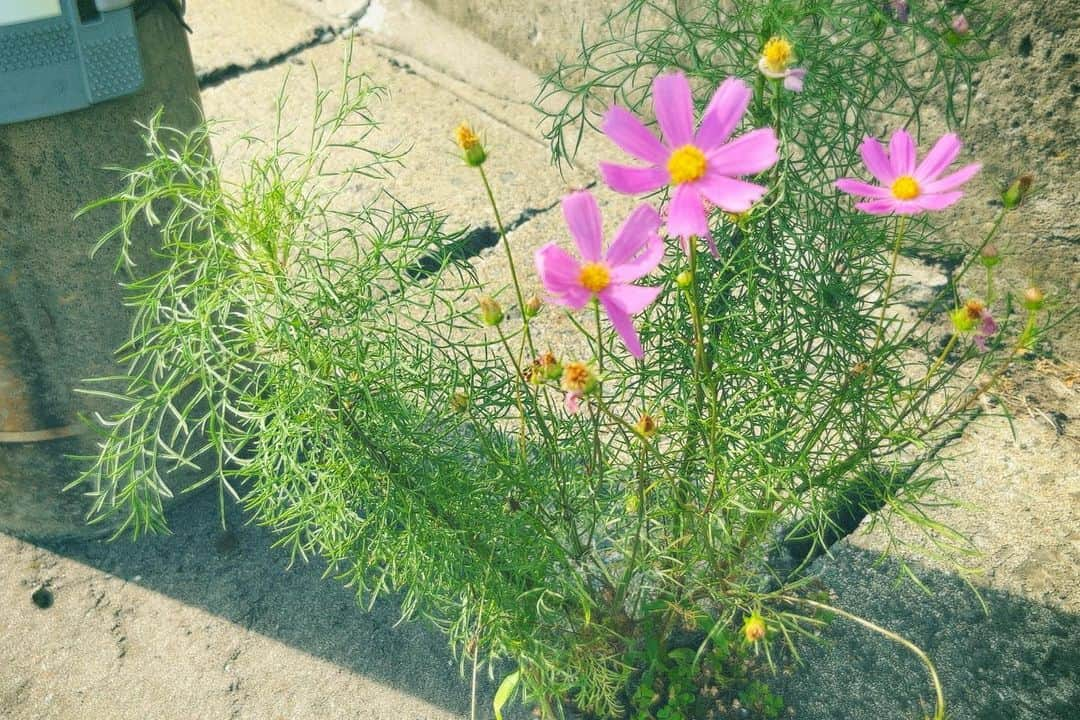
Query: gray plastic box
{"points": [[62, 55]]}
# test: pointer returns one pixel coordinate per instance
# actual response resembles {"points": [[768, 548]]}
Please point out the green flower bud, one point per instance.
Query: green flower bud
{"points": [[491, 313], [684, 279], [532, 306], [1033, 299], [1015, 193], [989, 256]]}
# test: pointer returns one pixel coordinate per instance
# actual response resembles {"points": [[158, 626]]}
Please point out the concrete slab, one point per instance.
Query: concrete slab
{"points": [[229, 37], [420, 115], [207, 623]]}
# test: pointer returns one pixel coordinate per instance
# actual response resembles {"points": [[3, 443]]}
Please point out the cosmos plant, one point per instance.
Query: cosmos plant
{"points": [[609, 494]]}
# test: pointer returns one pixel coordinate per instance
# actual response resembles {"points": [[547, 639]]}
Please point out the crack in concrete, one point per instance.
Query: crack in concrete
{"points": [[320, 35], [476, 241]]}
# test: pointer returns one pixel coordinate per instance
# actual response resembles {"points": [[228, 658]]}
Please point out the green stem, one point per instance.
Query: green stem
{"points": [[509, 258], [937, 363], [900, 227], [598, 452]]}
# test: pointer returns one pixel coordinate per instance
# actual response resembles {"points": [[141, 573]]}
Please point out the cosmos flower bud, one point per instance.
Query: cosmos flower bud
{"points": [[1015, 193], [754, 628], [1033, 299], [646, 426], [470, 144], [491, 313], [960, 25], [532, 306], [459, 402], [989, 256], [684, 279]]}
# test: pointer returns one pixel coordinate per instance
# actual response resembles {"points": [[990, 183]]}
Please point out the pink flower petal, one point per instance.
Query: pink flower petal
{"points": [[640, 266], [728, 194], [878, 207], [723, 114], [747, 155], [561, 276], [585, 222], [623, 325], [901, 153], [674, 108], [686, 214], [572, 402], [794, 79], [633, 180], [876, 160], [940, 157], [937, 201], [631, 299], [852, 186], [631, 135], [953, 181], [636, 232]]}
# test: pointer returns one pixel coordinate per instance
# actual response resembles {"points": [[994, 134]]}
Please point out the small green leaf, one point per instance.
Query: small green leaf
{"points": [[506, 689]]}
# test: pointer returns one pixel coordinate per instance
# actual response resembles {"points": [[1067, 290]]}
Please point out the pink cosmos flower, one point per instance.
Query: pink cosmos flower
{"points": [[907, 189], [636, 251], [697, 166]]}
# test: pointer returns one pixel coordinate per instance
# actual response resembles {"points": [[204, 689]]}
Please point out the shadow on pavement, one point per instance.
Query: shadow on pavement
{"points": [[1019, 662], [236, 575]]}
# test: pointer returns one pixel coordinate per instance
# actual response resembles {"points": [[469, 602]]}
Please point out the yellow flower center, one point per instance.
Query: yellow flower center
{"points": [[595, 276], [686, 164], [905, 188], [777, 54]]}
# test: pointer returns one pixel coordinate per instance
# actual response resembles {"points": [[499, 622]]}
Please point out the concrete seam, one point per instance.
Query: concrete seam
{"points": [[320, 35]]}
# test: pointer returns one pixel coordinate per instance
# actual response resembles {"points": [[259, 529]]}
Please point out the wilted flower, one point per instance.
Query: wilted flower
{"points": [[470, 144], [578, 380], [776, 57], [754, 627], [697, 166], [608, 276], [646, 426], [545, 367], [975, 316], [905, 188]]}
